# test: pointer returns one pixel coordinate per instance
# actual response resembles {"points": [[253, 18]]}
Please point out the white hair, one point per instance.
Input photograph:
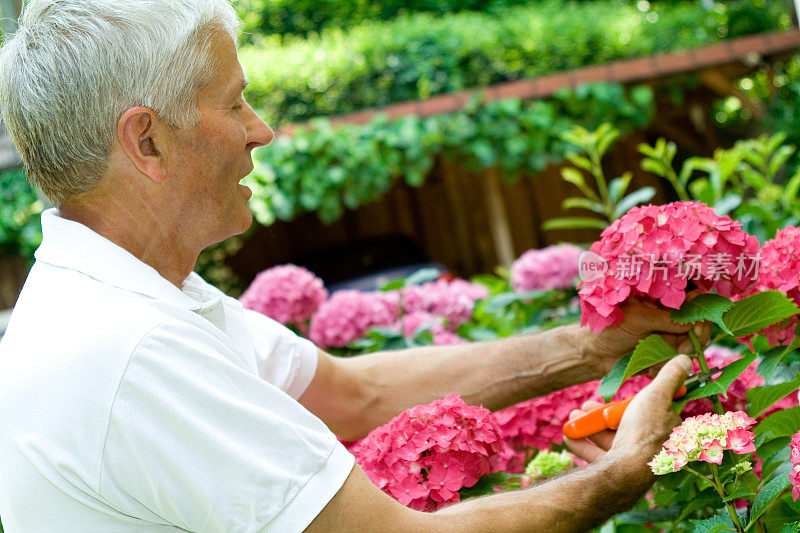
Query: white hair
{"points": [[74, 66]]}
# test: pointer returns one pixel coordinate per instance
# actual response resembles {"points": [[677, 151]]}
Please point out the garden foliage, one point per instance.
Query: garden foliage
{"points": [[327, 170], [417, 56], [20, 226], [300, 17]]}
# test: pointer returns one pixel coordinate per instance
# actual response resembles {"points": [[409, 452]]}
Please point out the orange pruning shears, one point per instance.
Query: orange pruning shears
{"points": [[609, 415]]}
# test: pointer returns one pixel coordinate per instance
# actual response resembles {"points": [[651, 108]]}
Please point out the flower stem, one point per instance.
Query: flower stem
{"points": [[698, 351], [696, 473], [728, 505], [701, 360]]}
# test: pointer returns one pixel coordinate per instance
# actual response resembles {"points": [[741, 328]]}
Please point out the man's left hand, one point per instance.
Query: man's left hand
{"points": [[642, 319]]}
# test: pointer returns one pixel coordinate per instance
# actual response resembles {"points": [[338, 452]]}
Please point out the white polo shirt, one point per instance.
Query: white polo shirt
{"points": [[128, 405]]}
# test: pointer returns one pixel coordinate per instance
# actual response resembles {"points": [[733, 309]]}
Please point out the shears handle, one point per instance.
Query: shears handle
{"points": [[605, 417]]}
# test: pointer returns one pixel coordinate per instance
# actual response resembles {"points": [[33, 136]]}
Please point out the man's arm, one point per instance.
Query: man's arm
{"points": [[575, 502], [355, 395]]}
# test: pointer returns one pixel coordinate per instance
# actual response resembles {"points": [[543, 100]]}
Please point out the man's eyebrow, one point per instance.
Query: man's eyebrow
{"points": [[238, 89]]}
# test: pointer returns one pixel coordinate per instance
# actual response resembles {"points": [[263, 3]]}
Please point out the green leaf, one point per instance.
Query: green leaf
{"points": [[727, 204], [783, 423], [769, 494], [775, 461], [762, 398], [613, 380], [642, 195], [705, 391], [485, 485], [579, 161], [740, 492], [394, 285], [758, 311], [574, 223], [647, 516], [703, 307], [571, 175], [720, 385], [791, 189], [715, 524], [733, 371], [423, 275], [583, 203], [500, 301], [768, 365], [649, 352], [618, 186], [779, 159]]}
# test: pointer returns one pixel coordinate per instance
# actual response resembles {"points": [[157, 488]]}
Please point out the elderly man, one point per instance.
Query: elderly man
{"points": [[136, 397]]}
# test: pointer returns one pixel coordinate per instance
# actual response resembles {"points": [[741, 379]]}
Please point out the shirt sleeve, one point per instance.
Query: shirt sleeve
{"points": [[197, 442], [287, 361]]}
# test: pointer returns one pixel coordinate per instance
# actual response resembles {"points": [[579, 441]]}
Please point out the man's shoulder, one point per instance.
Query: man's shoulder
{"points": [[65, 306], [67, 320]]}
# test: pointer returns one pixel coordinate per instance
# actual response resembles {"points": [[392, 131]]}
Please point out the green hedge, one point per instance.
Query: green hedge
{"points": [[20, 225], [300, 17], [327, 170], [414, 57]]}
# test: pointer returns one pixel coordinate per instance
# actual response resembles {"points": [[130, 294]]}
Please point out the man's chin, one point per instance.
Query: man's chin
{"points": [[247, 221]]}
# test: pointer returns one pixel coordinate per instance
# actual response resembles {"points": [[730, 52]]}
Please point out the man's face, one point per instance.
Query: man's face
{"points": [[211, 158]]}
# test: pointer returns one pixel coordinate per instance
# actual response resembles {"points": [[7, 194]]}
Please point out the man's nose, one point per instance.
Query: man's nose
{"points": [[258, 134]]}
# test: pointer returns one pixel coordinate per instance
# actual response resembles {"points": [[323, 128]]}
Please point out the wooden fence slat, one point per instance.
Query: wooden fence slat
{"points": [[498, 218]]}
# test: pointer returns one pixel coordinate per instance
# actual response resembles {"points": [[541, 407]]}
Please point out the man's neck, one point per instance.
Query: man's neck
{"points": [[152, 241]]}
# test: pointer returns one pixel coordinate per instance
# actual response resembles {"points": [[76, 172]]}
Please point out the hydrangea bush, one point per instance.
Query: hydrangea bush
{"points": [[553, 267], [286, 293], [659, 253], [424, 456], [349, 314]]}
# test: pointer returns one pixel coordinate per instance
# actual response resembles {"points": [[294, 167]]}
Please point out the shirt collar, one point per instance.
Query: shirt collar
{"points": [[70, 244]]}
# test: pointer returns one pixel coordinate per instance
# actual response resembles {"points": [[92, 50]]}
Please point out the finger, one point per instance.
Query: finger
{"points": [[670, 378], [685, 346], [603, 440], [591, 405], [584, 449], [660, 320], [703, 331]]}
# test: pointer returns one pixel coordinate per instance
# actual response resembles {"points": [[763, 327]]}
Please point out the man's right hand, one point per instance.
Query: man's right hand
{"points": [[644, 428]]}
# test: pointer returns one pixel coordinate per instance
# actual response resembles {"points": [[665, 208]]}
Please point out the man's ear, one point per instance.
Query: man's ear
{"points": [[138, 135]]}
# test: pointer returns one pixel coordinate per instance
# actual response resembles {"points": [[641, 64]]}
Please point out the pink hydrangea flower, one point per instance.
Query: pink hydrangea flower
{"points": [[453, 300], [426, 454], [703, 438], [780, 271], [711, 452], [794, 457], [659, 253], [554, 267], [537, 424], [287, 293], [348, 315], [410, 323]]}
